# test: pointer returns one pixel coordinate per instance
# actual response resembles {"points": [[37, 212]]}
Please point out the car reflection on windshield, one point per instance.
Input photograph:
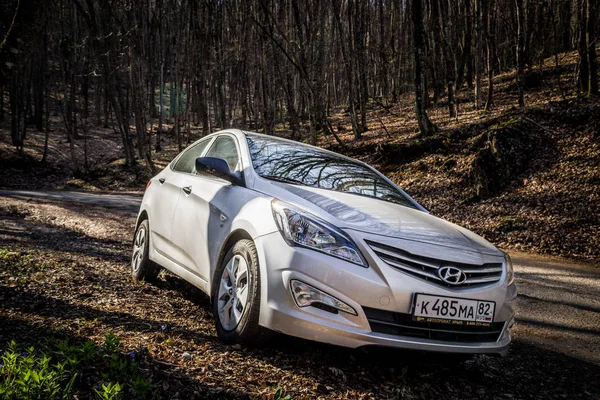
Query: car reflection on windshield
{"points": [[303, 165]]}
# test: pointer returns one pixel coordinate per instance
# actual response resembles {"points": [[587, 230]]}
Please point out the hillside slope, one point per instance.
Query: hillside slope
{"points": [[545, 185], [524, 179]]}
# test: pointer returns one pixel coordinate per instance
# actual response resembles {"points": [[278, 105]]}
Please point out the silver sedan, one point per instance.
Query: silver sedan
{"points": [[292, 238]]}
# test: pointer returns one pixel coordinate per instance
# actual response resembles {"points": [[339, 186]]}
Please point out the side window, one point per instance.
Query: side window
{"points": [[224, 147], [187, 161]]}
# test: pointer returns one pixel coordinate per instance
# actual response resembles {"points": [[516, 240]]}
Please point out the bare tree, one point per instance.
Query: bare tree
{"points": [[520, 49], [591, 19], [426, 127], [491, 52], [258, 64]]}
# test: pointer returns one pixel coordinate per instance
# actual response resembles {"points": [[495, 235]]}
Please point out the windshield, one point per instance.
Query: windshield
{"points": [[299, 164]]}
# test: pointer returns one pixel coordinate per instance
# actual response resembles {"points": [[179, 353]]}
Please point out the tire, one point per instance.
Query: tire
{"points": [[238, 279], [142, 269]]}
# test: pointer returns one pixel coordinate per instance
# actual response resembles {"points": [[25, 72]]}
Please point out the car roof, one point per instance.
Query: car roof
{"points": [[299, 144], [241, 135]]}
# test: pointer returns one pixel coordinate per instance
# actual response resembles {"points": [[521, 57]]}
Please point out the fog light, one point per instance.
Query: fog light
{"points": [[506, 333], [306, 295], [511, 324]]}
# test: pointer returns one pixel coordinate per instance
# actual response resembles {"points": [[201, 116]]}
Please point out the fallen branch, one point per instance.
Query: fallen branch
{"points": [[383, 126]]}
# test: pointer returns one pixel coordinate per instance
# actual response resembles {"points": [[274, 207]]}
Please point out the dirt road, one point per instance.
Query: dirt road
{"points": [[556, 350]]}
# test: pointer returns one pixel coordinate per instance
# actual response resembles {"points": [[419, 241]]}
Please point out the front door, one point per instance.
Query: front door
{"points": [[205, 209]]}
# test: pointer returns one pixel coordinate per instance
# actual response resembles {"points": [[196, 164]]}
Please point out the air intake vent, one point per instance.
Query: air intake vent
{"points": [[399, 324]]}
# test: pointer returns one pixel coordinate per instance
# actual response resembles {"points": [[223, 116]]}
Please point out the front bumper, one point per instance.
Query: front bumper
{"points": [[379, 287]]}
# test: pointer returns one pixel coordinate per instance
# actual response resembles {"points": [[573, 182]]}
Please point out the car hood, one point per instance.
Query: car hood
{"points": [[366, 214]]}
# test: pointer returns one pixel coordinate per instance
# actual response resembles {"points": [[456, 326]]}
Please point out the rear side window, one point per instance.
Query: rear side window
{"points": [[187, 161], [224, 147]]}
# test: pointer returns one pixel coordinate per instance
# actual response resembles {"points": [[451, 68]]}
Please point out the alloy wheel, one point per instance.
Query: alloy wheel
{"points": [[139, 246], [233, 292]]}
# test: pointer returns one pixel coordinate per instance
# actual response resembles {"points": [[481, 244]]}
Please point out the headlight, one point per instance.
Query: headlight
{"points": [[300, 228], [510, 273]]}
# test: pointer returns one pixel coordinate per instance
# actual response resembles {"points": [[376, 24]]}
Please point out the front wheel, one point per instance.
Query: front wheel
{"points": [[141, 266], [236, 296]]}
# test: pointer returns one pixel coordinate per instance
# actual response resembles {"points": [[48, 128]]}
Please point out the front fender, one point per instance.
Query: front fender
{"points": [[254, 219]]}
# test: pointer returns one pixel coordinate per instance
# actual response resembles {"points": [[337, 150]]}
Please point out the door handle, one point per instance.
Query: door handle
{"points": [[161, 180], [187, 189]]}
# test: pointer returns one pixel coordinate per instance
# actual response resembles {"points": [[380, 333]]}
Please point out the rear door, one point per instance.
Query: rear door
{"points": [[205, 210]]}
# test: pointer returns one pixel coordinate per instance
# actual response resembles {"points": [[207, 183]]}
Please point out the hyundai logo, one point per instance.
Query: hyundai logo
{"points": [[452, 275]]}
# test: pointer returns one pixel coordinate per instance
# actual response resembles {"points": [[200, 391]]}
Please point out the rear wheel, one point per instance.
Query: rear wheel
{"points": [[141, 266], [236, 296]]}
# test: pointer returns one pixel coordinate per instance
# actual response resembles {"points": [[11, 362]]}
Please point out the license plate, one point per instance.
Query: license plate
{"points": [[444, 309]]}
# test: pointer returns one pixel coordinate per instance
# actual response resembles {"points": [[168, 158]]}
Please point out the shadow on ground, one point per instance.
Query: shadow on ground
{"points": [[17, 232], [166, 381], [527, 372], [98, 288]]}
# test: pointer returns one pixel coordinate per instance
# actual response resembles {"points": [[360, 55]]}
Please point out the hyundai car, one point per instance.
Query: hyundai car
{"points": [[287, 237]]}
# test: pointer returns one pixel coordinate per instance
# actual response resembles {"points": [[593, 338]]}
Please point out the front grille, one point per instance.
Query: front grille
{"points": [[399, 324], [427, 268]]}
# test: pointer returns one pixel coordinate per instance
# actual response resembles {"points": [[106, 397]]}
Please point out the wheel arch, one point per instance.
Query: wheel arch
{"points": [[232, 239], [142, 216]]}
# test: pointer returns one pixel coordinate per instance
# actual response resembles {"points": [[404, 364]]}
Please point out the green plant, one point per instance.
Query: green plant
{"points": [[88, 350], [28, 375], [111, 343], [142, 387], [280, 395], [86, 322], [18, 267], [110, 391], [51, 374], [119, 367], [509, 224]]}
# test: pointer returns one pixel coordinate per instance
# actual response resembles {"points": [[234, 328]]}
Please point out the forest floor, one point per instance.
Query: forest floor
{"points": [[64, 275], [550, 206], [64, 265]]}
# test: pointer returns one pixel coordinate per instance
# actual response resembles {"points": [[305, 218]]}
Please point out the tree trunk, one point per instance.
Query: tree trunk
{"points": [[361, 56], [478, 50], [348, 68], [46, 128], [442, 36], [520, 49], [491, 52], [106, 106], [1, 102], [97, 102], [161, 85], [137, 92], [384, 74], [16, 108], [591, 22], [426, 127], [466, 60], [39, 86]]}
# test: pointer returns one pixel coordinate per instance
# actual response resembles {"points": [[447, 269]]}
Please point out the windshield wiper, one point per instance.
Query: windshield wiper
{"points": [[284, 180]]}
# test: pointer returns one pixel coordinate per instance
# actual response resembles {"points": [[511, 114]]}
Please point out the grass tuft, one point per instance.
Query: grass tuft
{"points": [[63, 368]]}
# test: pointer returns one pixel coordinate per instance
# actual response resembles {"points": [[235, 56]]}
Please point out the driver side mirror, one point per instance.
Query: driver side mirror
{"points": [[219, 168]]}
